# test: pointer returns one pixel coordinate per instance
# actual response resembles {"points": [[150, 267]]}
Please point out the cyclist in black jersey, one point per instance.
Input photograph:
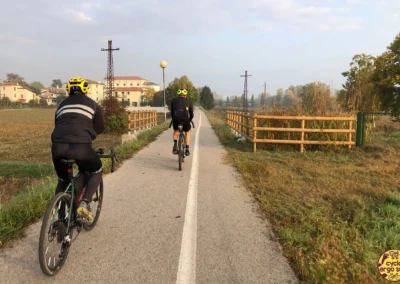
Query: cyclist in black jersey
{"points": [[78, 121], [181, 112]]}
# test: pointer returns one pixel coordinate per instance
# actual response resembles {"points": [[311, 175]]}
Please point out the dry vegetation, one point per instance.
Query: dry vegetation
{"points": [[334, 212]]}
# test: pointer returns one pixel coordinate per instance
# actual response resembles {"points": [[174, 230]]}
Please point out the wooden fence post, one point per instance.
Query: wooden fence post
{"points": [[254, 133], [129, 122], [350, 128], [303, 123]]}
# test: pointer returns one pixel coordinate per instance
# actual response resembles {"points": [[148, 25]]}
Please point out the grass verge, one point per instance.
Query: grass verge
{"points": [[333, 212], [29, 205]]}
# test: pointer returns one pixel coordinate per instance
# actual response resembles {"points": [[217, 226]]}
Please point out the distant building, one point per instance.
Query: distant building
{"points": [[132, 95], [15, 92], [96, 90], [50, 94], [132, 88]]}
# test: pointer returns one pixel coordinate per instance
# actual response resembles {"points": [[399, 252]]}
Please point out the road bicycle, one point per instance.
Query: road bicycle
{"points": [[61, 218], [181, 144]]}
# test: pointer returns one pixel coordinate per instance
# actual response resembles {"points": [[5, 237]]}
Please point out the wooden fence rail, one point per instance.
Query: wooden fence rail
{"points": [[245, 124], [141, 119]]}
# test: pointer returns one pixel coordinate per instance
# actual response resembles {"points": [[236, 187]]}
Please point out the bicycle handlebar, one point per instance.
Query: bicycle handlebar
{"points": [[100, 153]]}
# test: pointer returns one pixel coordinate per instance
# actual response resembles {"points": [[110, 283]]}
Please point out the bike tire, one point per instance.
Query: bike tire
{"points": [[99, 195], [44, 235], [180, 153]]}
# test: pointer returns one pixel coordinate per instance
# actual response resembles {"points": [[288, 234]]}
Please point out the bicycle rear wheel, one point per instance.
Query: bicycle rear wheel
{"points": [[95, 207], [54, 227], [180, 153]]}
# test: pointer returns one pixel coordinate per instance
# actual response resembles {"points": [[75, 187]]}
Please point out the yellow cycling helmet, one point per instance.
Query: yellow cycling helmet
{"points": [[182, 92], [77, 84]]}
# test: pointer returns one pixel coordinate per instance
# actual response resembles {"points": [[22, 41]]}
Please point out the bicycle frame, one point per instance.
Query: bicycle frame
{"points": [[71, 190]]}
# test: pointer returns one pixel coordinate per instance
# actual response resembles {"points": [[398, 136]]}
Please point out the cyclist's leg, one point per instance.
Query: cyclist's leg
{"points": [[87, 160], [186, 128], [59, 151], [175, 137]]}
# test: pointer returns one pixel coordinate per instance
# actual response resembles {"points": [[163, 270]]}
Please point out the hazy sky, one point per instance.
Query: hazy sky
{"points": [[280, 42]]}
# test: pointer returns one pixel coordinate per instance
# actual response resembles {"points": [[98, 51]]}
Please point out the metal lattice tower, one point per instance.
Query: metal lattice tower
{"points": [[245, 99], [110, 70]]}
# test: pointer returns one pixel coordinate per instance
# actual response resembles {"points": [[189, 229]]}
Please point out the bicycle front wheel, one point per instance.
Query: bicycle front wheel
{"points": [[53, 250]]}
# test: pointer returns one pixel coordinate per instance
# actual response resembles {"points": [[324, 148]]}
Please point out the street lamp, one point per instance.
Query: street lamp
{"points": [[164, 64]]}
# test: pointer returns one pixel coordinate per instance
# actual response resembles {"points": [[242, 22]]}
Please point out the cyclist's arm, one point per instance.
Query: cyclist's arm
{"points": [[172, 110], [191, 114], [98, 123]]}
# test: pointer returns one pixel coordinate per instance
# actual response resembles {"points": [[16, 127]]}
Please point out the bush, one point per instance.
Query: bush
{"points": [[115, 116]]}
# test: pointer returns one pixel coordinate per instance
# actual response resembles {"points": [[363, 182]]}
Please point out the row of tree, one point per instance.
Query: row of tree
{"points": [[204, 96], [372, 84]]}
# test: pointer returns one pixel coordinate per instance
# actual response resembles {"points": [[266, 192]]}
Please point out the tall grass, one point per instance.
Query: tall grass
{"points": [[334, 213]]}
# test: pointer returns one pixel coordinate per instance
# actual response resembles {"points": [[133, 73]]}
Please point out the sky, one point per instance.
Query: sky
{"points": [[213, 42]]}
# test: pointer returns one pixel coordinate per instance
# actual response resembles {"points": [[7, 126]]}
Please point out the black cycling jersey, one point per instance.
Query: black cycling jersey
{"points": [[78, 119], [181, 108]]}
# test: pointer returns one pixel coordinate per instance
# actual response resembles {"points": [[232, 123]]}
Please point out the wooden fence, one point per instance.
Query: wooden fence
{"points": [[246, 125], [141, 119]]}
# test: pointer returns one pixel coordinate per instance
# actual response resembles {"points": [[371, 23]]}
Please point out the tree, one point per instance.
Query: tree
{"points": [[115, 116], [262, 100], [36, 86], [360, 94], [149, 94], [228, 103], [59, 99], [315, 98], [387, 76], [181, 83], [206, 98], [57, 83], [12, 77], [237, 102], [43, 102], [253, 103], [158, 99], [279, 96]]}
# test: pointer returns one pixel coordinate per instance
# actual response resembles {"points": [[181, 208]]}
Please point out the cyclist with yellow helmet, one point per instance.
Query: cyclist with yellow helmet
{"points": [[78, 121], [181, 112]]}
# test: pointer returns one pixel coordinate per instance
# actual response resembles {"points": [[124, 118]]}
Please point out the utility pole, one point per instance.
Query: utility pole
{"points": [[110, 69], [110, 105], [245, 100]]}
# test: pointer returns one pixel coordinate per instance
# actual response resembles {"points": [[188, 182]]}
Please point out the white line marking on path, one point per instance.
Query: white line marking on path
{"points": [[187, 259]]}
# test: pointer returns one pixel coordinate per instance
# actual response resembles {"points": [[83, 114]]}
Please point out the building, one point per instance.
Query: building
{"points": [[96, 90], [16, 93], [155, 86], [50, 94], [132, 88], [132, 95]]}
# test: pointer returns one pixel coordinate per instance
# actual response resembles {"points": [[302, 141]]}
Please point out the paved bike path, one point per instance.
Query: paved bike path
{"points": [[148, 234]]}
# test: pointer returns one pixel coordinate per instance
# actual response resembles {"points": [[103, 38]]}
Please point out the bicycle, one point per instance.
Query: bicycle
{"points": [[61, 213], [181, 144]]}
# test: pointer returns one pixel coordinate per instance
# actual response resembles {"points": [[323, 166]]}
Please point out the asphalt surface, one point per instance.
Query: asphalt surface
{"points": [[161, 225]]}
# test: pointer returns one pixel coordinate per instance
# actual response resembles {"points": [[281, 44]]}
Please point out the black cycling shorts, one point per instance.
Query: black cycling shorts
{"points": [[185, 123], [85, 157]]}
